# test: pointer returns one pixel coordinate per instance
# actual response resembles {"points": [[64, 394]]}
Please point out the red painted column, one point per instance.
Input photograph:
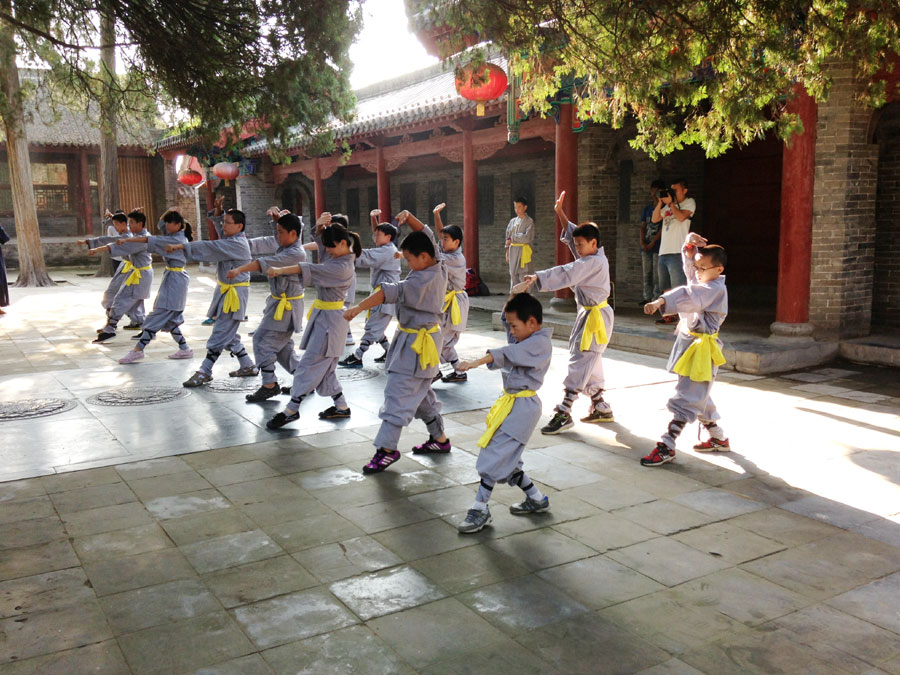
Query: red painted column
{"points": [[566, 179], [384, 186], [795, 237], [470, 202], [318, 188], [84, 190]]}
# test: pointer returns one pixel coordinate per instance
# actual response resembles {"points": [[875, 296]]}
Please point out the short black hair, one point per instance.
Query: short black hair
{"points": [[237, 217], [521, 200], [335, 233], [715, 253], [587, 231], [291, 223], [173, 217], [525, 306], [417, 243], [138, 217], [120, 216], [388, 229], [657, 184], [682, 182], [454, 232], [340, 219]]}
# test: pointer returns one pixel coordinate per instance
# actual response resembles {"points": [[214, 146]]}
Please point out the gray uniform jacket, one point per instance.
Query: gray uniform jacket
{"points": [[523, 366], [228, 253], [455, 264], [326, 330], [523, 233], [589, 278], [272, 254], [420, 300], [385, 269], [701, 307], [140, 258], [172, 293]]}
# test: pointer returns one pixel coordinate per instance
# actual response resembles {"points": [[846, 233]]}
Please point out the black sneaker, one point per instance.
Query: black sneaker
{"points": [[103, 337], [281, 419], [558, 423], [351, 362], [599, 417], [437, 378], [334, 413], [263, 394], [286, 391], [382, 358], [134, 326], [455, 377]]}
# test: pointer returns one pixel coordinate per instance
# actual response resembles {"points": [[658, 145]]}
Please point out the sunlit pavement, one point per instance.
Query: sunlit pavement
{"points": [[181, 536]]}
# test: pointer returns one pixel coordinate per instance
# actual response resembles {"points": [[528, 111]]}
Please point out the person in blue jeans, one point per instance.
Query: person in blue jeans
{"points": [[650, 236], [674, 210]]}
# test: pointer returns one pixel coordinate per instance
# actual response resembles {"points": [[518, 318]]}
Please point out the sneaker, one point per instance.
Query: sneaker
{"points": [[263, 394], [246, 371], [381, 460], [137, 336], [382, 358], [669, 318], [432, 447], [182, 354], [208, 322], [103, 337], [134, 326], [713, 445], [558, 424], [197, 379], [438, 377], [349, 341], [281, 419], [351, 362], [286, 391], [455, 377], [334, 413], [132, 356], [530, 506], [599, 417], [475, 521], [660, 455]]}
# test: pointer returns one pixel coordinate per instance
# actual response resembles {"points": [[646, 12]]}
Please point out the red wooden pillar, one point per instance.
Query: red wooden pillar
{"points": [[384, 186], [318, 188], [566, 179], [795, 237], [84, 191], [470, 202]]}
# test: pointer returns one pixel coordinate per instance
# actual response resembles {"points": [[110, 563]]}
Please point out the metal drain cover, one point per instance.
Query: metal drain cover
{"points": [[138, 396], [34, 407]]}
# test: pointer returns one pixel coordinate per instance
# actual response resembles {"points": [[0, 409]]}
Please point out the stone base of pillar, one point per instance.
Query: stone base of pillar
{"points": [[791, 331], [563, 304]]}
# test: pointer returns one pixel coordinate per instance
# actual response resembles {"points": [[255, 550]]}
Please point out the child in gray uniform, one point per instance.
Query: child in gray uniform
{"points": [[702, 306], [229, 252], [523, 363], [168, 309], [385, 268], [138, 280], [326, 327], [117, 226], [283, 316], [412, 359], [588, 275], [456, 300]]}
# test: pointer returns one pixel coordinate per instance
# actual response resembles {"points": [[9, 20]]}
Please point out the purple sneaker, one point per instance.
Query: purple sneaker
{"points": [[432, 447]]}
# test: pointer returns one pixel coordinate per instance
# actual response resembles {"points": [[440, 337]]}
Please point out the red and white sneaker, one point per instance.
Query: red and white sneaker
{"points": [[713, 445], [660, 455]]}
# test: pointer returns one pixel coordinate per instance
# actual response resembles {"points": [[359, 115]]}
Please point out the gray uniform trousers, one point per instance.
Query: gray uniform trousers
{"points": [[271, 347], [407, 398]]}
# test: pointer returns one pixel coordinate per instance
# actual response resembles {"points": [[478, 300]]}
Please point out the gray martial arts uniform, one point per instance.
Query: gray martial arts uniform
{"points": [[385, 268], [407, 394], [519, 231], [523, 366], [168, 308], [228, 253], [589, 278], [455, 264], [273, 341], [702, 308], [326, 330], [118, 278], [130, 299]]}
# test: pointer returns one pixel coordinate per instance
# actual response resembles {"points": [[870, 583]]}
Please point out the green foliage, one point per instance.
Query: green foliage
{"points": [[715, 74]]}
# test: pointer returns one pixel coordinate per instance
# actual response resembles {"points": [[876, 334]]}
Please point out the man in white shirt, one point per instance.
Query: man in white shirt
{"points": [[519, 235], [675, 210]]}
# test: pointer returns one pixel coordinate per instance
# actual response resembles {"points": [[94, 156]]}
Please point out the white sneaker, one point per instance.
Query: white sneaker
{"points": [[132, 356], [182, 354], [350, 341]]}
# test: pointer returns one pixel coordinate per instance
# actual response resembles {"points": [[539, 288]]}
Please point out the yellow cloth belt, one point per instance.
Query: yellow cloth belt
{"points": [[174, 269], [526, 254], [424, 345], [135, 277], [499, 412], [127, 268], [321, 304], [452, 303], [284, 303], [698, 359], [594, 327], [232, 299]]}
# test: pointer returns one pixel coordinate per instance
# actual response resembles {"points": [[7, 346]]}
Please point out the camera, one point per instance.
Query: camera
{"points": [[662, 194]]}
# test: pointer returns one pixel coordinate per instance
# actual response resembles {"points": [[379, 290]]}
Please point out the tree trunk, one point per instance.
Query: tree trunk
{"points": [[32, 270], [109, 167]]}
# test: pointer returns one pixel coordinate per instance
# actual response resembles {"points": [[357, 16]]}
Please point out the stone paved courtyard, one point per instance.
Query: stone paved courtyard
{"points": [[183, 537]]}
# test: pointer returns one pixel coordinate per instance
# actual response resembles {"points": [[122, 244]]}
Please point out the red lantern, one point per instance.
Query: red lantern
{"points": [[227, 171], [485, 84], [190, 177]]}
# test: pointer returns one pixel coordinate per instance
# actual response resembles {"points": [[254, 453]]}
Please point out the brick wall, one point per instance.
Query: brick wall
{"points": [[886, 291], [843, 231], [257, 193]]}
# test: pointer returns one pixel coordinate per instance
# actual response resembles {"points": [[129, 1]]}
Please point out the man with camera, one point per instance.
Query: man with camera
{"points": [[674, 209], [650, 235]]}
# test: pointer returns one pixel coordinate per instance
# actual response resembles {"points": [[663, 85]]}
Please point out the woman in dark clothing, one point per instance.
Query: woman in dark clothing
{"points": [[4, 287]]}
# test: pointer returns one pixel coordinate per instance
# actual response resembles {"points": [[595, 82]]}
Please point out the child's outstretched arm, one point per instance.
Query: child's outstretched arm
{"points": [[463, 366], [414, 223], [279, 271], [560, 211], [252, 266], [375, 299], [438, 223], [523, 285], [373, 218]]}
